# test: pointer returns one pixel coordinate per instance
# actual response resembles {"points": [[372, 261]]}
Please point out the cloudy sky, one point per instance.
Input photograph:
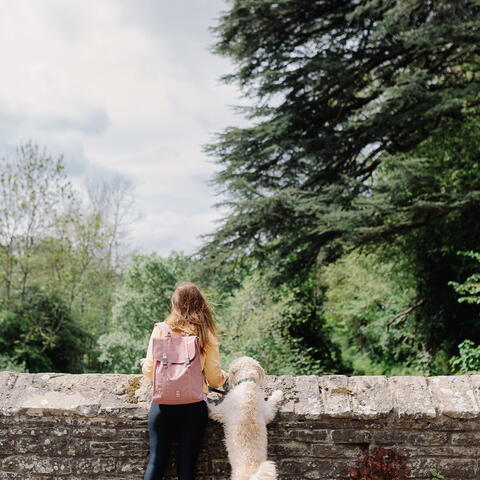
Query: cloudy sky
{"points": [[122, 87]]}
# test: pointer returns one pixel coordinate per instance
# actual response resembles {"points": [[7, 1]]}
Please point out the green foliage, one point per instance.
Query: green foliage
{"points": [[144, 295], [34, 194], [337, 88], [469, 290], [9, 364], [40, 335], [120, 351], [363, 132], [443, 322], [468, 361], [368, 307], [450, 173], [52, 234], [425, 207], [142, 299], [270, 325], [362, 149], [253, 325]]}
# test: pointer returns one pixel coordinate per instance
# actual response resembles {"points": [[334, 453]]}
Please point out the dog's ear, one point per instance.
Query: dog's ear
{"points": [[232, 374], [261, 374], [231, 380]]}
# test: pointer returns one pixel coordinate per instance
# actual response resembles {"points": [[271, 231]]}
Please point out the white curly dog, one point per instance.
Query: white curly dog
{"points": [[245, 413]]}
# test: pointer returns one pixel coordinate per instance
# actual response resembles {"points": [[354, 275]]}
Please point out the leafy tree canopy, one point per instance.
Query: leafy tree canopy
{"points": [[142, 299], [276, 329], [338, 87]]}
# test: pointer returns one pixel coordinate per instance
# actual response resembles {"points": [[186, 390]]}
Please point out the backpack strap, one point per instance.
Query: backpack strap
{"points": [[163, 326], [165, 329]]}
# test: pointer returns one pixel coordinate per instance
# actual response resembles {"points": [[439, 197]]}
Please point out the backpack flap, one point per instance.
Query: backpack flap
{"points": [[174, 349]]}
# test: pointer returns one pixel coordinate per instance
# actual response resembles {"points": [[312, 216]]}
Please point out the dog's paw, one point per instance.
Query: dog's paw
{"points": [[277, 396], [214, 412]]}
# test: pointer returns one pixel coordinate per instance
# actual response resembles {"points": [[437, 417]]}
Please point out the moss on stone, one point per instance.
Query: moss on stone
{"points": [[131, 388], [342, 390]]}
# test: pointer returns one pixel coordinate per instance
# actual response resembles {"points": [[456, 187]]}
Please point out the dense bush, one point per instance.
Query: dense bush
{"points": [[39, 334], [273, 326], [368, 302]]}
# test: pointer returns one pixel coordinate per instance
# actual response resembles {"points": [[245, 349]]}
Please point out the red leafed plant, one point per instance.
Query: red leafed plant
{"points": [[380, 464]]}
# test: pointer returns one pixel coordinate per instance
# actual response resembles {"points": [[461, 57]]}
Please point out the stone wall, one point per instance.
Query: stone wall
{"points": [[94, 427]]}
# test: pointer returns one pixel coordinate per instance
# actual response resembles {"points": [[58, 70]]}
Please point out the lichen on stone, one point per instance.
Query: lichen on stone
{"points": [[342, 390], [131, 388]]}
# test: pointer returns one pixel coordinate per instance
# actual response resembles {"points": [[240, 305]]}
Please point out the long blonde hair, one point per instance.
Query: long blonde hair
{"points": [[189, 306]]}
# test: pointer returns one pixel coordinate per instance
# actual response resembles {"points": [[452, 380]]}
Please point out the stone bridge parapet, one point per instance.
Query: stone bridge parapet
{"points": [[94, 426]]}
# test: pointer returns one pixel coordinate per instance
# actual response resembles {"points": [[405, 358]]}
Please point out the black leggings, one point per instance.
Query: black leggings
{"points": [[165, 423]]}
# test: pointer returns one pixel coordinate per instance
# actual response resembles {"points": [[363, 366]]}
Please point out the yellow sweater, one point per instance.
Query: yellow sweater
{"points": [[213, 375]]}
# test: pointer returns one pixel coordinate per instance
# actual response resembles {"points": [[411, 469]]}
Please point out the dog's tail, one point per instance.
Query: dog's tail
{"points": [[266, 471]]}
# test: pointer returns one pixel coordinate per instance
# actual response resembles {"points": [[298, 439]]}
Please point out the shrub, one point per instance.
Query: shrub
{"points": [[379, 464], [39, 334], [468, 361], [11, 365], [469, 291]]}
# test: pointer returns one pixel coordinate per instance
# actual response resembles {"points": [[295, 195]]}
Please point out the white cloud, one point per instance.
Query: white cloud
{"points": [[174, 230], [121, 86]]}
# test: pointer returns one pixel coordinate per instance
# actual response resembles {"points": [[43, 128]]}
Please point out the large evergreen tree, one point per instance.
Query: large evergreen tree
{"points": [[338, 87]]}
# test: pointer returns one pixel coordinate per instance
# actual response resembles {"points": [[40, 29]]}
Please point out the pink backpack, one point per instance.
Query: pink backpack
{"points": [[177, 374]]}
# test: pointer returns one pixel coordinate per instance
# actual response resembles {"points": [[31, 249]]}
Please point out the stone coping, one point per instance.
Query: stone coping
{"points": [[309, 396]]}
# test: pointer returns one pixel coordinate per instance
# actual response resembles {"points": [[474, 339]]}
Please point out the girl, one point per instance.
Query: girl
{"points": [[190, 313]]}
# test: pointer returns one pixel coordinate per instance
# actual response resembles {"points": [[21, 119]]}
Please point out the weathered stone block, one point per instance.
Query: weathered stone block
{"points": [[411, 397], [31, 464], [465, 438], [371, 397], [448, 467], [396, 437], [351, 436], [454, 396]]}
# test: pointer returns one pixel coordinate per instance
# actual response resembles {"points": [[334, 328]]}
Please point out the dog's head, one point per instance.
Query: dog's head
{"points": [[245, 367]]}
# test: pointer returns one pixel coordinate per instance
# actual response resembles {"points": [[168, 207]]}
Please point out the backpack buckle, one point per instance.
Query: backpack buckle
{"points": [[164, 361], [188, 361]]}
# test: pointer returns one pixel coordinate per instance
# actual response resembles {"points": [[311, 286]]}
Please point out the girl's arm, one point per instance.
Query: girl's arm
{"points": [[215, 376], [147, 364]]}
